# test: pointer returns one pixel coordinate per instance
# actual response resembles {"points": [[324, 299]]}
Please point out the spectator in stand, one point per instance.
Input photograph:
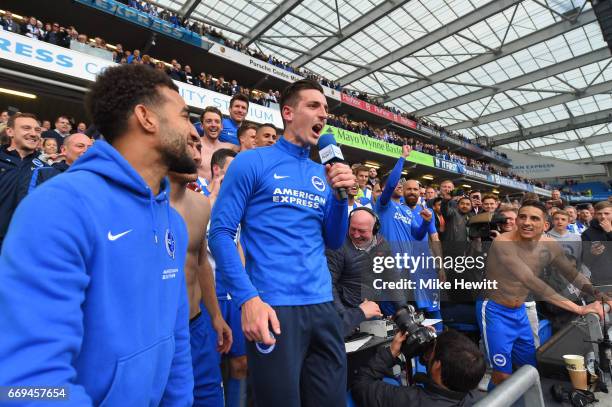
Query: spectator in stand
{"points": [[83, 39], [175, 72], [490, 202], [135, 57], [56, 36], [31, 29], [372, 177], [570, 242], [46, 125], [81, 128], [200, 80], [446, 188], [510, 212], [475, 197], [4, 116], [74, 146], [430, 193], [247, 136], [189, 78], [234, 88], [597, 251], [573, 217], [9, 24], [61, 131], [270, 98], [266, 135], [365, 195], [50, 152], [238, 109], [20, 166]]}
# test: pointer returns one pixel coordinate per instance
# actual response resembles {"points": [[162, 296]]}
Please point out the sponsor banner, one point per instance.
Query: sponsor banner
{"points": [[21, 49], [474, 173], [512, 183], [580, 198], [446, 165], [429, 130], [378, 111], [201, 98], [264, 67], [537, 166], [143, 19], [542, 191], [362, 142], [473, 147]]}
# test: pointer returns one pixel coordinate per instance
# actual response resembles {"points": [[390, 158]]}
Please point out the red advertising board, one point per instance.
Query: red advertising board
{"points": [[378, 111]]}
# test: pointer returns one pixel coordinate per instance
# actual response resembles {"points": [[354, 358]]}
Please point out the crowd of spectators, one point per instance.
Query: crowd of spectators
{"points": [[217, 36], [56, 34]]}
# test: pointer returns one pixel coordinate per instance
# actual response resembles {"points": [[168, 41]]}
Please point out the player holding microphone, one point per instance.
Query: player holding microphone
{"points": [[290, 210]]}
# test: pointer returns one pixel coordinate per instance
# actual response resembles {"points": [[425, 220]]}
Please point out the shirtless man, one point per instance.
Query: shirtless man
{"points": [[205, 329], [515, 261], [236, 357], [212, 124]]}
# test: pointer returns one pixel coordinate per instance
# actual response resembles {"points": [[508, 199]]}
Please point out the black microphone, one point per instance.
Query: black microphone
{"points": [[330, 153]]}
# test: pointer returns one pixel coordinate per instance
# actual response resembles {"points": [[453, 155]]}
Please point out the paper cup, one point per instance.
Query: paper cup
{"points": [[574, 362], [578, 378]]}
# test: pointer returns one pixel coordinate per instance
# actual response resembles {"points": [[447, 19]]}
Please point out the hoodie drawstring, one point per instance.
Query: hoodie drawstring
{"points": [[151, 203]]}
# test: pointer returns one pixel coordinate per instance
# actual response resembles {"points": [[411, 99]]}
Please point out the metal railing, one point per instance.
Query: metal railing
{"points": [[523, 385]]}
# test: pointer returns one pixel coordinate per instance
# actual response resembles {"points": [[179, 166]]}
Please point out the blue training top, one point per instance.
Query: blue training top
{"points": [[396, 223], [288, 214], [229, 133]]}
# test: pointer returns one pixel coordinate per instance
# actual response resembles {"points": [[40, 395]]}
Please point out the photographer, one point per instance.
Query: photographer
{"points": [[455, 365]]}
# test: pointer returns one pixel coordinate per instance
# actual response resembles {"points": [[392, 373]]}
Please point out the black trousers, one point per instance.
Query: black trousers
{"points": [[307, 364]]}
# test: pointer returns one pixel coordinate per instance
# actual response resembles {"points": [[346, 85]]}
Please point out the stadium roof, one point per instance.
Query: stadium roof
{"points": [[531, 75]]}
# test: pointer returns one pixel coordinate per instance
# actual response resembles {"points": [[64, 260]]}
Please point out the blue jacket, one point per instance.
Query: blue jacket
{"points": [[229, 133], [288, 214], [17, 177], [100, 304]]}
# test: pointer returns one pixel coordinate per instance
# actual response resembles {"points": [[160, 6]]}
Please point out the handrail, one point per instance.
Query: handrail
{"points": [[524, 384]]}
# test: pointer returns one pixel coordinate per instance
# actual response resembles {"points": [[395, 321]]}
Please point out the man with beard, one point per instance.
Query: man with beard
{"points": [[211, 128], [103, 310], [426, 300], [515, 262], [396, 220], [209, 334]]}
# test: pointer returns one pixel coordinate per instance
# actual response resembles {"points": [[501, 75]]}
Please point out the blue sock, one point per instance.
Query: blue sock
{"points": [[233, 390], [491, 385]]}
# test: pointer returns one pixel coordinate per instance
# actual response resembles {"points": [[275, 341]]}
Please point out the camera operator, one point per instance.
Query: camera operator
{"points": [[455, 365]]}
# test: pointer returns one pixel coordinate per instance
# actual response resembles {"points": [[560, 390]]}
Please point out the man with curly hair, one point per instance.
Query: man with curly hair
{"points": [[103, 310]]}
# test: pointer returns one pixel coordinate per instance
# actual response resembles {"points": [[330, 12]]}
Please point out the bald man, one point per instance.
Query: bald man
{"points": [[354, 260], [74, 146]]}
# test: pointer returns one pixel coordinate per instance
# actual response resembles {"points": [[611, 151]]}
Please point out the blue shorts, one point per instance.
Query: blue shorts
{"points": [[507, 335], [208, 384], [232, 316]]}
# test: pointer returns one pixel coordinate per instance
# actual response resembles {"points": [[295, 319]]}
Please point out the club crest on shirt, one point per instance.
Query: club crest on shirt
{"points": [[318, 183], [170, 243]]}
